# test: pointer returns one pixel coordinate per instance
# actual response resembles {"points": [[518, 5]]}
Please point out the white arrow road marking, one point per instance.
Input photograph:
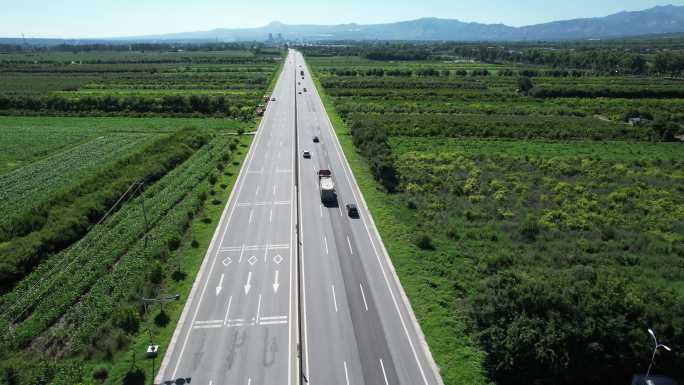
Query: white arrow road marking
{"points": [[220, 285], [325, 242], [350, 247], [270, 216], [251, 213], [276, 285], [257, 190], [248, 285]]}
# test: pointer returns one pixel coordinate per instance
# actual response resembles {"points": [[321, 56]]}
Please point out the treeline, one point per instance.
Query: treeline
{"points": [[612, 59], [167, 104], [372, 141], [608, 92], [51, 227], [499, 126], [47, 45]]}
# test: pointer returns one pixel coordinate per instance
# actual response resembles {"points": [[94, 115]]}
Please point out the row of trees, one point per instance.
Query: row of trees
{"points": [[599, 59], [372, 141], [168, 104]]}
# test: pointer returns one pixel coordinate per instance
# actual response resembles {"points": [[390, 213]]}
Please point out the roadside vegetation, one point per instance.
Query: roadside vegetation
{"points": [[105, 207], [532, 202]]}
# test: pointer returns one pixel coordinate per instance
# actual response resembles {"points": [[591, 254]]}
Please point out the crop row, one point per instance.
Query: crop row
{"points": [[505, 126], [52, 288], [23, 190]]}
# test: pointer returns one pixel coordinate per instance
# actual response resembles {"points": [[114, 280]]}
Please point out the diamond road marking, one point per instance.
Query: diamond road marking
{"points": [[252, 260], [277, 259], [227, 261]]}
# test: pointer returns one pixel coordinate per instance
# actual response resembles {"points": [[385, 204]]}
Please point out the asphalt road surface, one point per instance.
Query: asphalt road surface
{"points": [[241, 322]]}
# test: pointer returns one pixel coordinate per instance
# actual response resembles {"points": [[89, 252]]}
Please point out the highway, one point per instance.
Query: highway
{"points": [[241, 322]]}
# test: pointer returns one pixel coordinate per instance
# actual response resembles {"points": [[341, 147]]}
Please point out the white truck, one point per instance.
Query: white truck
{"points": [[326, 186]]}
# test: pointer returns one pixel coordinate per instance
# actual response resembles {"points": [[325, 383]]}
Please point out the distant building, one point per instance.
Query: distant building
{"points": [[280, 36], [270, 36]]}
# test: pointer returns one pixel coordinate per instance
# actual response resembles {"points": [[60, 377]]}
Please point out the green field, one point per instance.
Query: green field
{"points": [[534, 234], [77, 252], [142, 83]]}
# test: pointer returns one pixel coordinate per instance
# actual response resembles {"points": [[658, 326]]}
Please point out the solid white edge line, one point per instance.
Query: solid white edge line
{"points": [[407, 304], [195, 286]]}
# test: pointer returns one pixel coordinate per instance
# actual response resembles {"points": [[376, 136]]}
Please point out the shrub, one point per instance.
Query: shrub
{"points": [[156, 273], [127, 319], [173, 242], [161, 319], [100, 373], [529, 228], [135, 376], [178, 275], [424, 242]]}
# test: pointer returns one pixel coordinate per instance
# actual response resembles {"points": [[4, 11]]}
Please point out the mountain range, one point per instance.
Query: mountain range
{"points": [[656, 20], [668, 19]]}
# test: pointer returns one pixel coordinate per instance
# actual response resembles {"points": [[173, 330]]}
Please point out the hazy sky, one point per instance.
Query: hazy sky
{"points": [[107, 18]]}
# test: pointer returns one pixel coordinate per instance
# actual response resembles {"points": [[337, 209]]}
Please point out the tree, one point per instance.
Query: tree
{"points": [[525, 85]]}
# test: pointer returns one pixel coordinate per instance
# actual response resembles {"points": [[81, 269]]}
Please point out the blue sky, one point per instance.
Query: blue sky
{"points": [[106, 18]]}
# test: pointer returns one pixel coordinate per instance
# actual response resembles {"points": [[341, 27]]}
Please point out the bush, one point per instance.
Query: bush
{"points": [[127, 319], [525, 85], [135, 376], [156, 273], [529, 228], [100, 373], [194, 244], [424, 242], [173, 242], [162, 319], [178, 275]]}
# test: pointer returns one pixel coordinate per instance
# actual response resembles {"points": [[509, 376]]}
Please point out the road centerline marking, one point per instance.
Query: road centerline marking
{"points": [[346, 374], [382, 366], [334, 298], [363, 295]]}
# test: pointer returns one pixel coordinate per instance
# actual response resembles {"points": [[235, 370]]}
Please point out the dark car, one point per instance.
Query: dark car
{"points": [[352, 210], [315, 139], [306, 154]]}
